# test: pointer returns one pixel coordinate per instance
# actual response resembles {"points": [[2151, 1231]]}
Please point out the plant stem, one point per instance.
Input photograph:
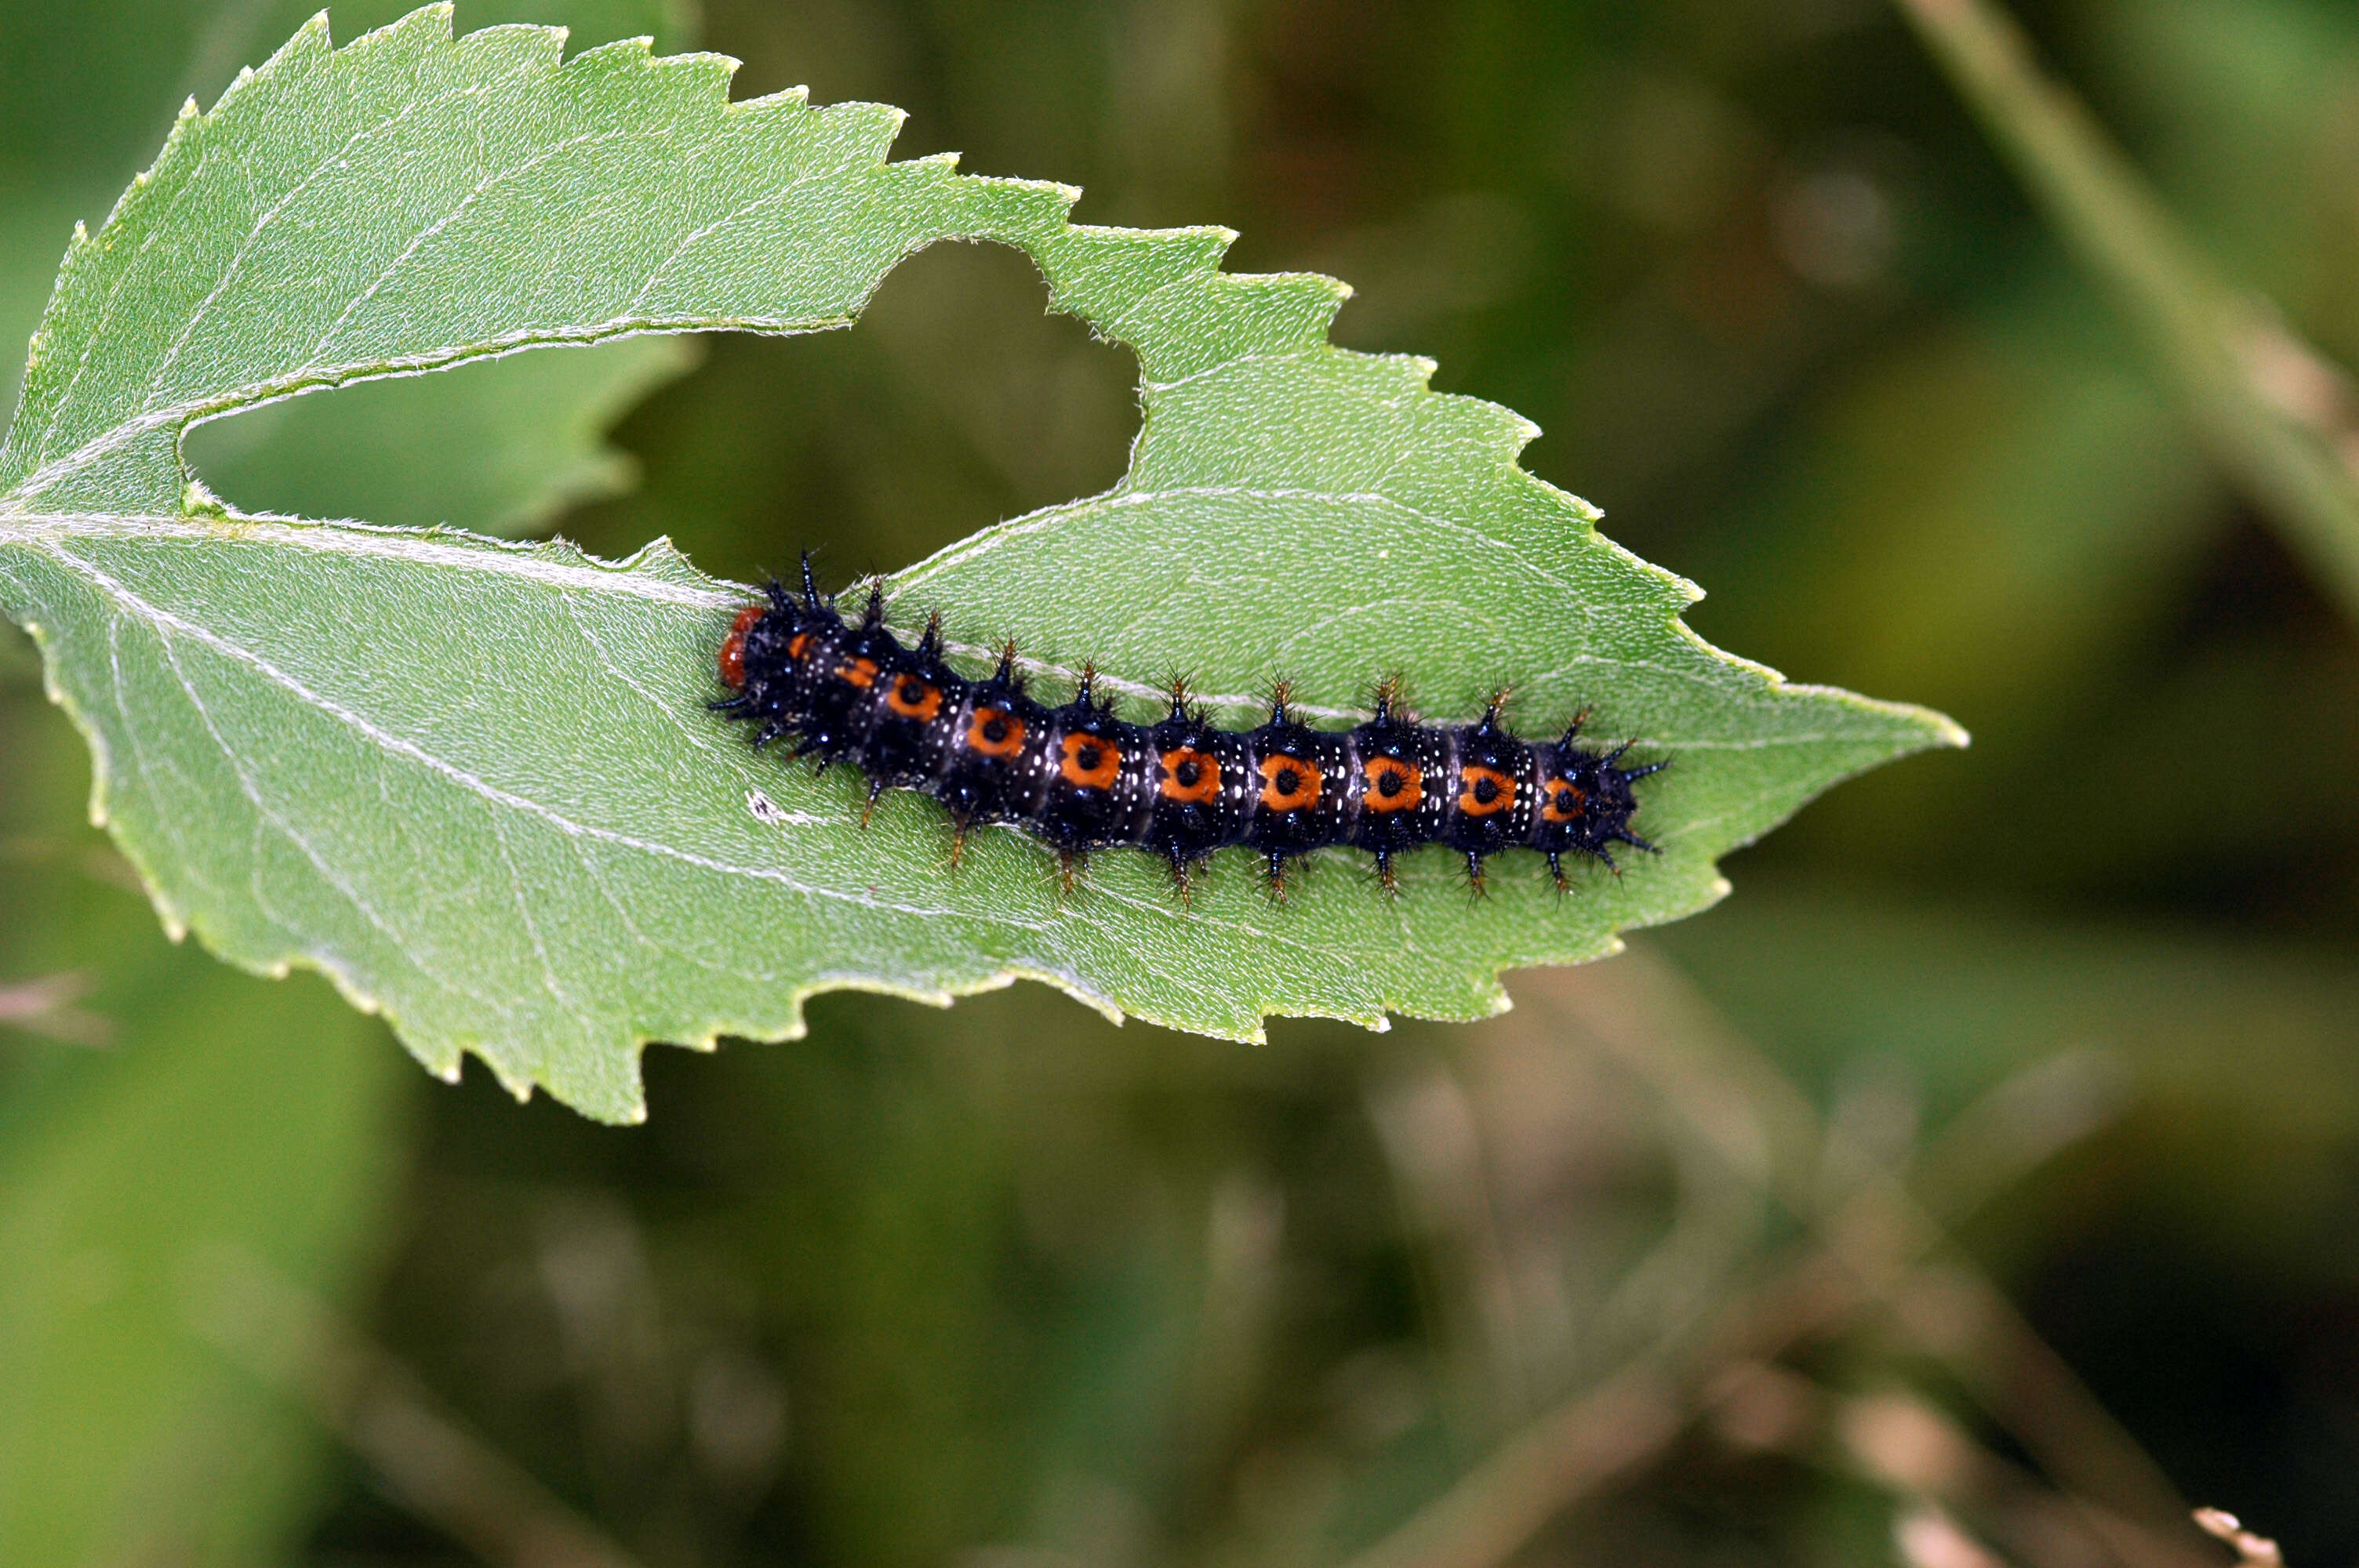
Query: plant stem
{"points": [[2276, 412]]}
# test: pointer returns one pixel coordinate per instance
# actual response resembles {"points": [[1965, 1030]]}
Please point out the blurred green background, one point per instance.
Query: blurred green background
{"points": [[1983, 1177]]}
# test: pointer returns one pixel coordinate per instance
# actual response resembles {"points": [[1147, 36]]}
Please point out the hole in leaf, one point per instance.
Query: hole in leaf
{"points": [[956, 401], [501, 445]]}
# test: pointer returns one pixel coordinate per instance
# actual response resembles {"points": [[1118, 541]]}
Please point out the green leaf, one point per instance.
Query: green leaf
{"points": [[475, 783]]}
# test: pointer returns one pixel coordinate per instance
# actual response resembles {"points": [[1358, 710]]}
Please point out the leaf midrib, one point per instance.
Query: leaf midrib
{"points": [[574, 832], [419, 547], [528, 560], [386, 740]]}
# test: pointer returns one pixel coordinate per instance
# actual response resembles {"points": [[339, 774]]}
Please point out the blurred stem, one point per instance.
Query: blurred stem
{"points": [[1908, 1446], [2252, 1550], [430, 1463], [2274, 411], [46, 1006], [1875, 1245]]}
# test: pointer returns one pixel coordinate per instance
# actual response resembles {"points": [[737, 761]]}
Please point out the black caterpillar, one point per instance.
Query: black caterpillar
{"points": [[1078, 778]]}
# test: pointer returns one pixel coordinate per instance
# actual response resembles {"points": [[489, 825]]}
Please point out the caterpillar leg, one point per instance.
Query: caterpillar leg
{"points": [[1183, 877]]}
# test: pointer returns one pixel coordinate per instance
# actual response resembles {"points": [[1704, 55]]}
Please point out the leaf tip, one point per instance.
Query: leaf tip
{"points": [[313, 34], [639, 48]]}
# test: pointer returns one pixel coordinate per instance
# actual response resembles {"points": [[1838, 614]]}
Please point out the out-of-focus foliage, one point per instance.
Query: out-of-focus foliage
{"points": [[925, 1285], [137, 1170]]}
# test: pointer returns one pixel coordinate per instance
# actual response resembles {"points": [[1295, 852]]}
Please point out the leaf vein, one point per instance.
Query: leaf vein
{"points": [[481, 188], [236, 263], [549, 979], [389, 741], [265, 813]]}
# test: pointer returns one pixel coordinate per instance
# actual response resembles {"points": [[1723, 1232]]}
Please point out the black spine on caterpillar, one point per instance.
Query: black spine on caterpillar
{"points": [[1079, 778]]}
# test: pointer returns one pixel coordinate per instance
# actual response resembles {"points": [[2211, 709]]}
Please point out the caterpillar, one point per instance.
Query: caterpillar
{"points": [[1079, 778]]}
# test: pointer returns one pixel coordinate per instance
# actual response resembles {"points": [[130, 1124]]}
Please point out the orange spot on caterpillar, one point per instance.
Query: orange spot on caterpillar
{"points": [[1290, 784], [1189, 775], [1562, 801], [994, 733], [797, 645], [913, 699], [1394, 785], [861, 673], [1091, 761], [1486, 790], [733, 649]]}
